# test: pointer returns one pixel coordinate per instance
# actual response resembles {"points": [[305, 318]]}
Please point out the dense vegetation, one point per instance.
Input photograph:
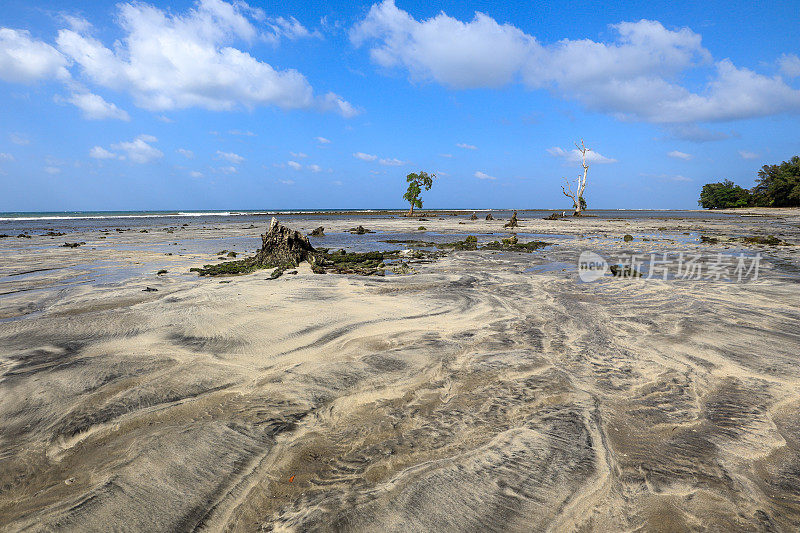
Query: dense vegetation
{"points": [[777, 186]]}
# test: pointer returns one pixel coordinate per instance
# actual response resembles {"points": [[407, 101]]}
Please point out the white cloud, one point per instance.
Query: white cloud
{"points": [[98, 152], [165, 119], [679, 155], [27, 60], [299, 155], [226, 170], [789, 65], [394, 162], [365, 157], [242, 133], [172, 60], [18, 138], [744, 154], [315, 168], [188, 154], [334, 102], [196, 174], [52, 170], [574, 155], [6, 157], [635, 76], [287, 182], [289, 28], [698, 134], [294, 165], [483, 176], [338, 183], [94, 107], [679, 178], [236, 159], [139, 150], [322, 140], [466, 146], [446, 155]]}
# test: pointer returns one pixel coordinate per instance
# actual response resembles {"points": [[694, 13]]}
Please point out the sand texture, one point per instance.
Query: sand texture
{"points": [[485, 391]]}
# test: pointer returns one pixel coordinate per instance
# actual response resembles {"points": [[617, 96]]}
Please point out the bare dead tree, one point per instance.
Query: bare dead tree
{"points": [[580, 183]]}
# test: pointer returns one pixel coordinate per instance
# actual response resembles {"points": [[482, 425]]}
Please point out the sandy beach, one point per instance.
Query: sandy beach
{"points": [[483, 391]]}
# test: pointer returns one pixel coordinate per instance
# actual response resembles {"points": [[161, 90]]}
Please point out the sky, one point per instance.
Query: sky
{"points": [[211, 104]]}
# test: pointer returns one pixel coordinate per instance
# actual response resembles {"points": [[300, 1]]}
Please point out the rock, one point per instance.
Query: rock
{"points": [[161, 272], [489, 217], [554, 216], [360, 230], [513, 222], [72, 244], [627, 271], [283, 246], [3, 235], [23, 236], [422, 228], [52, 233], [627, 238], [318, 232], [278, 272], [149, 289], [473, 217], [231, 254]]}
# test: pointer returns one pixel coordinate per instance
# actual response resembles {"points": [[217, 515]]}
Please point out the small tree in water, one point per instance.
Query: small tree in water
{"points": [[416, 182], [580, 184]]}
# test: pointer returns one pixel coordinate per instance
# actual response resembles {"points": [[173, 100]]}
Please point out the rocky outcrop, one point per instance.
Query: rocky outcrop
{"points": [[318, 232]]}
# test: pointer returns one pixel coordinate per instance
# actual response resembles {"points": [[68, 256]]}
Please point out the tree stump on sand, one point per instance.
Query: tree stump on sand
{"points": [[281, 246], [513, 222], [489, 217]]}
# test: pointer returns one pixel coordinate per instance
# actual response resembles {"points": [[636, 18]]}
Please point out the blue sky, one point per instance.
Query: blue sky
{"points": [[229, 105]]}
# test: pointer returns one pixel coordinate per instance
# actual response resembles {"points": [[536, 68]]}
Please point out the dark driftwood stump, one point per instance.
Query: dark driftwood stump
{"points": [[513, 222], [283, 246]]}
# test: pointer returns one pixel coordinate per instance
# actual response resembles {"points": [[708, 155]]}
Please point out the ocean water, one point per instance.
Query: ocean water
{"points": [[66, 221]]}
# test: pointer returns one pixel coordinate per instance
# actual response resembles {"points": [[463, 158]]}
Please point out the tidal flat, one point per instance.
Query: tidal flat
{"points": [[477, 390]]}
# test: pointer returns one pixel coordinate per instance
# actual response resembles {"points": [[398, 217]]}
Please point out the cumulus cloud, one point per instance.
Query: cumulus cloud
{"points": [[242, 133], [394, 162], [574, 155], [94, 107], [196, 174], [6, 157], [679, 155], [236, 159], [635, 76], [226, 170], [294, 165], [464, 146], [299, 155], [446, 155], [98, 152], [483, 176], [315, 168], [789, 65], [365, 157], [140, 150], [287, 182], [188, 154], [27, 60], [52, 170], [180, 60], [322, 140], [744, 154]]}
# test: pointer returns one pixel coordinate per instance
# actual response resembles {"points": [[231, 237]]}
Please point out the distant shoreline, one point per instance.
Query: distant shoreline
{"points": [[99, 215]]}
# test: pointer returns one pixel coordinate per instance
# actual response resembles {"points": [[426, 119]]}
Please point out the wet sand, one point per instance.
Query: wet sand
{"points": [[487, 391]]}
